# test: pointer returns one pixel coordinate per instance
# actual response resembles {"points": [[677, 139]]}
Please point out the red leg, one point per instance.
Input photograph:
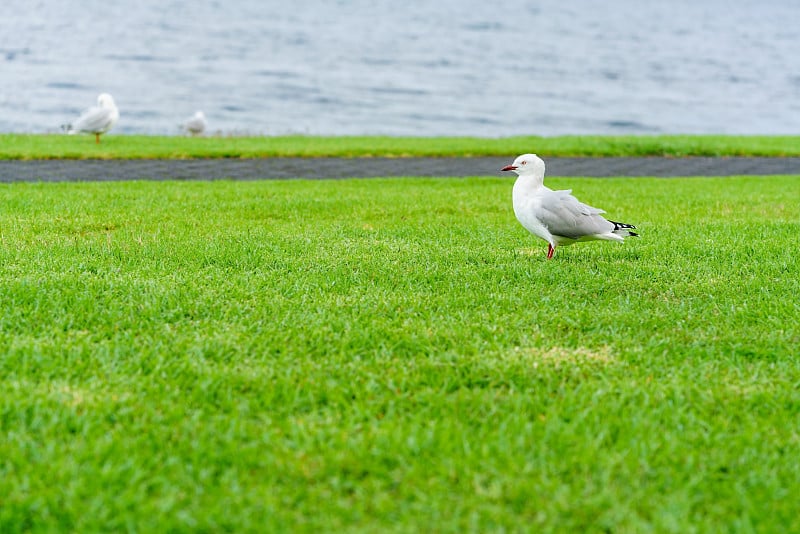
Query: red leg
{"points": [[97, 139], [550, 251]]}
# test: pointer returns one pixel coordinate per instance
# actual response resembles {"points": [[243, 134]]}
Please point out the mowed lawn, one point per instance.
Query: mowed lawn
{"points": [[396, 355], [36, 146]]}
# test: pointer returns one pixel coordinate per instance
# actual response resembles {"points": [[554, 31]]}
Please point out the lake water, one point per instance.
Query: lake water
{"points": [[449, 67]]}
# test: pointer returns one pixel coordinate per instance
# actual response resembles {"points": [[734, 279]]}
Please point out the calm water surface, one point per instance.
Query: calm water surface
{"points": [[450, 67]]}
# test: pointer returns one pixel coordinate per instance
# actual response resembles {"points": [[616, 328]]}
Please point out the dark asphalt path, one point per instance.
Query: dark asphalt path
{"points": [[326, 168]]}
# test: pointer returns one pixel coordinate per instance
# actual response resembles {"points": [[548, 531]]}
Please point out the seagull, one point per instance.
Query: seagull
{"points": [[98, 119], [556, 216], [196, 124]]}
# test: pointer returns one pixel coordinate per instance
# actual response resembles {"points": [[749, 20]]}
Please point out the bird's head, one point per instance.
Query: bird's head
{"points": [[527, 164], [105, 101]]}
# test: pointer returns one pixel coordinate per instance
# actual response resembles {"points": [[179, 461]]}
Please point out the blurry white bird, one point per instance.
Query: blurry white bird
{"points": [[196, 124], [98, 119], [556, 216]]}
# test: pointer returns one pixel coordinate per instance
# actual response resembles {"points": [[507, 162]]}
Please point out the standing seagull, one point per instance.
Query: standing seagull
{"points": [[196, 124], [556, 216], [98, 119]]}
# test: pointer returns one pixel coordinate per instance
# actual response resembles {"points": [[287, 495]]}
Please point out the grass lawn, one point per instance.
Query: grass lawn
{"points": [[19, 146], [396, 355]]}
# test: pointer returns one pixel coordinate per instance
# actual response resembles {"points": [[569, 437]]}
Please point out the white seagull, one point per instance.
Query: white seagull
{"points": [[98, 119], [556, 216], [196, 124]]}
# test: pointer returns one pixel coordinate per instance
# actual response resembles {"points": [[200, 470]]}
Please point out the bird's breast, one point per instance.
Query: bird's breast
{"points": [[525, 209]]}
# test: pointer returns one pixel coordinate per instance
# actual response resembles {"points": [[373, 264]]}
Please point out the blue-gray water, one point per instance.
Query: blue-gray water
{"points": [[450, 67]]}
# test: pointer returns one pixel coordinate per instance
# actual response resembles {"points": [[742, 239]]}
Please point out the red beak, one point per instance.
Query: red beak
{"points": [[508, 168]]}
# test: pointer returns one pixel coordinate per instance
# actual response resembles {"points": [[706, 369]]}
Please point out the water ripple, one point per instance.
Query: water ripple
{"points": [[455, 67]]}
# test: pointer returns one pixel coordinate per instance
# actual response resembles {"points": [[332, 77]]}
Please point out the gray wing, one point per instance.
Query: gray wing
{"points": [[564, 215], [93, 120], [195, 124]]}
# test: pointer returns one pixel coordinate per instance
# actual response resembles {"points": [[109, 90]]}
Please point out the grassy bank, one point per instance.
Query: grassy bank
{"points": [[396, 355], [15, 146]]}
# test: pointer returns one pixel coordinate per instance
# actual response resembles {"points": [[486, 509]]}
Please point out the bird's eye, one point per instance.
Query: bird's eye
{"points": [[523, 162]]}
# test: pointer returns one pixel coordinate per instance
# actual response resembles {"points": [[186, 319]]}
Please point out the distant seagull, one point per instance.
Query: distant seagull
{"points": [[556, 216], [196, 124], [98, 119]]}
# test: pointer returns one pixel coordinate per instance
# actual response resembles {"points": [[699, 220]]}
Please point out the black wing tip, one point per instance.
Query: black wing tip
{"points": [[621, 226]]}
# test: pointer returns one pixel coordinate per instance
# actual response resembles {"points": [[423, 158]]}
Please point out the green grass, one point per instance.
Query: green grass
{"points": [[397, 356], [17, 146]]}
